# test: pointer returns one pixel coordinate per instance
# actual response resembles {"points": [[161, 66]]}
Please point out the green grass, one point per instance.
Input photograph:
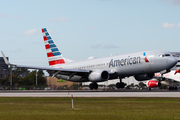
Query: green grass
{"points": [[31, 108]]}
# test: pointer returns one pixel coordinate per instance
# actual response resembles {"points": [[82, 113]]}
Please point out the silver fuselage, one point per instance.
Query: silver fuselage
{"points": [[126, 64]]}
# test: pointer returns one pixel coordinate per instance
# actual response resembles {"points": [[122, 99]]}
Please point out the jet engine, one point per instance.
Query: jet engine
{"points": [[98, 76], [144, 77], [153, 83]]}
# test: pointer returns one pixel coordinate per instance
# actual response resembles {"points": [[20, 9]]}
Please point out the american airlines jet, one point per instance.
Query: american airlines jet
{"points": [[141, 65]]}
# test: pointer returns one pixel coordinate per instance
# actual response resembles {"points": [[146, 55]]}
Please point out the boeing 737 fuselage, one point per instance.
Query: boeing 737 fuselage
{"points": [[141, 65]]}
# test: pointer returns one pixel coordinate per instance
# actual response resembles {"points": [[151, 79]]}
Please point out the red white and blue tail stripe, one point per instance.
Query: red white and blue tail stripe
{"points": [[53, 53]]}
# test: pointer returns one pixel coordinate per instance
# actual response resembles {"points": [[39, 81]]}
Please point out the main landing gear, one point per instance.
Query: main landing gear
{"points": [[173, 88], [93, 86], [120, 84]]}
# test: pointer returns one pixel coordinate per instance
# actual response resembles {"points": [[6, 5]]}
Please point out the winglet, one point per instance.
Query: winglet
{"points": [[5, 59]]}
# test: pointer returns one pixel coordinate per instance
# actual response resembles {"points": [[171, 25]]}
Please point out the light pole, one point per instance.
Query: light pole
{"points": [[11, 75], [36, 77]]}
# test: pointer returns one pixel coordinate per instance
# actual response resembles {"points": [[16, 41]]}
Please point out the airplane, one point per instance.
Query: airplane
{"points": [[171, 79], [141, 65]]}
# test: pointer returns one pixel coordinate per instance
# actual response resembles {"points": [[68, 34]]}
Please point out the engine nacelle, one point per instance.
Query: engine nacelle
{"points": [[153, 83], [98, 76], [144, 77]]}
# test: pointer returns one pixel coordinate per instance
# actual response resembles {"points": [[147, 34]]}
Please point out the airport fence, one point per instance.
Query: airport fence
{"points": [[39, 88], [65, 87]]}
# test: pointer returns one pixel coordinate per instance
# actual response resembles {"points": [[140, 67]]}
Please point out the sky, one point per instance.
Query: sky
{"points": [[85, 28]]}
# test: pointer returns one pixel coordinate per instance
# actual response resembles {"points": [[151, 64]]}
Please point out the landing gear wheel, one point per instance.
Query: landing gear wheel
{"points": [[175, 88], [120, 85], [93, 86], [169, 88]]}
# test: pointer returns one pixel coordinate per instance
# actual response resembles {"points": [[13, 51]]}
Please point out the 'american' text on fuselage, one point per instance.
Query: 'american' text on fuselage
{"points": [[123, 62]]}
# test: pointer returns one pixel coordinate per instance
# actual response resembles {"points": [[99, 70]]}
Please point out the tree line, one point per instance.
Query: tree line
{"points": [[24, 77]]}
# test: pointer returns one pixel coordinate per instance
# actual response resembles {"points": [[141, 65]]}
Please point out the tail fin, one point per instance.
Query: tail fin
{"points": [[177, 71], [53, 53]]}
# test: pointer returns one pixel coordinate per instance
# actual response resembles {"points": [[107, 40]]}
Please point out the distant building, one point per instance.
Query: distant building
{"points": [[3, 65], [3, 68], [54, 82], [4, 71]]}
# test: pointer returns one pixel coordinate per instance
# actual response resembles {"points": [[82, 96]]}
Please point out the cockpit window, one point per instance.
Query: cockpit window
{"points": [[164, 55], [161, 55], [167, 55]]}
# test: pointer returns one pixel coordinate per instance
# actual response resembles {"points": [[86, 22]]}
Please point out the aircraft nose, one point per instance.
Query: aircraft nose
{"points": [[172, 61]]}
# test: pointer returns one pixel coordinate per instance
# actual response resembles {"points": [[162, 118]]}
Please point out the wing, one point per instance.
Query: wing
{"points": [[75, 75], [54, 71]]}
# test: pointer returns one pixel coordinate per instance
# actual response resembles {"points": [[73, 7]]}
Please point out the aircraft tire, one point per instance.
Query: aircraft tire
{"points": [[169, 88], [122, 85], [118, 85], [175, 88], [95, 86], [91, 86]]}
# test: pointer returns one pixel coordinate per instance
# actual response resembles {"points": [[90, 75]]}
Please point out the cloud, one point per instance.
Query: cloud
{"points": [[96, 46], [20, 17], [2, 15], [17, 50], [90, 27], [59, 19], [171, 2], [178, 25], [34, 43], [110, 46], [30, 32], [100, 46], [176, 2], [168, 25]]}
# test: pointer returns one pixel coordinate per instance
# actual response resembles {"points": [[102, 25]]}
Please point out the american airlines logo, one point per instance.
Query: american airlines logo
{"points": [[177, 71], [123, 62]]}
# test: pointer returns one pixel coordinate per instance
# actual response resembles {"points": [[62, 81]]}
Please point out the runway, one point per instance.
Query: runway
{"points": [[88, 94]]}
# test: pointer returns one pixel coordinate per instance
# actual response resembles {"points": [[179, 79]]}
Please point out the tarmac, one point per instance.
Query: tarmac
{"points": [[175, 94]]}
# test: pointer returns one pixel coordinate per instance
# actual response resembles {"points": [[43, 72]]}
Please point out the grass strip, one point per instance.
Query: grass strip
{"points": [[45, 108]]}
